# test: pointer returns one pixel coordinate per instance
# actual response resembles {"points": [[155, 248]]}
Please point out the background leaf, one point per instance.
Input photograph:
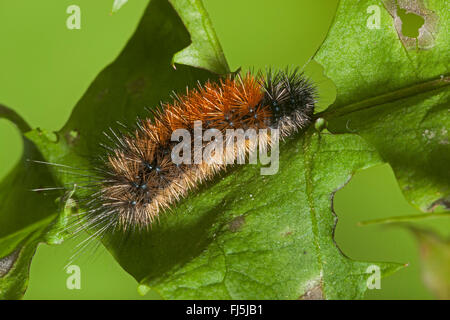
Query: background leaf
{"points": [[205, 50], [27, 218], [396, 98], [433, 246], [435, 262], [141, 76]]}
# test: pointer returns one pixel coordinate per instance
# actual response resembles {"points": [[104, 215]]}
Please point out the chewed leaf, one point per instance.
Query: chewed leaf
{"points": [[242, 236], [205, 50], [371, 61], [427, 32], [17, 251], [433, 246], [394, 97], [141, 76], [249, 236], [26, 217]]}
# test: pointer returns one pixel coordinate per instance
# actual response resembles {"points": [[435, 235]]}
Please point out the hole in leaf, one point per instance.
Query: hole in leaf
{"points": [[416, 25], [72, 136], [411, 22]]}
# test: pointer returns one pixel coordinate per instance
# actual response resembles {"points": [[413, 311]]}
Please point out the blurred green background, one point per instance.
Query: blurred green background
{"points": [[45, 68]]}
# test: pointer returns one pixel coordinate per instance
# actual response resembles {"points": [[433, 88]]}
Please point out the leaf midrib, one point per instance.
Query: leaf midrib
{"points": [[309, 160], [335, 111]]}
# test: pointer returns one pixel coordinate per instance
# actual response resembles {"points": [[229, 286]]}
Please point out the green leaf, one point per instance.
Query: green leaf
{"points": [[205, 51], [393, 94], [431, 231], [435, 262], [14, 117], [249, 236], [26, 218], [241, 236], [405, 218], [141, 76], [18, 249]]}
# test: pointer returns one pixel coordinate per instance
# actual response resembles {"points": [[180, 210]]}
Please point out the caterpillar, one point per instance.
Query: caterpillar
{"points": [[137, 180]]}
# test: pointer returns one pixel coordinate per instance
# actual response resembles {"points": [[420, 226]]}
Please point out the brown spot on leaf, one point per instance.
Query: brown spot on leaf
{"points": [[6, 263], [440, 203], [72, 136], [136, 85], [315, 293], [237, 223], [427, 32], [102, 94]]}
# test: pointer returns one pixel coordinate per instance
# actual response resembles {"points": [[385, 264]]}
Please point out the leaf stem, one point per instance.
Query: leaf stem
{"points": [[404, 218], [15, 118]]}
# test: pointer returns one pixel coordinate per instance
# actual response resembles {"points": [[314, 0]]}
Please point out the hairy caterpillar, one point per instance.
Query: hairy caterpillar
{"points": [[137, 179]]}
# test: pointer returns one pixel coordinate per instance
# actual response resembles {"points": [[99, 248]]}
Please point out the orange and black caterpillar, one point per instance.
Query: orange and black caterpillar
{"points": [[137, 179]]}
